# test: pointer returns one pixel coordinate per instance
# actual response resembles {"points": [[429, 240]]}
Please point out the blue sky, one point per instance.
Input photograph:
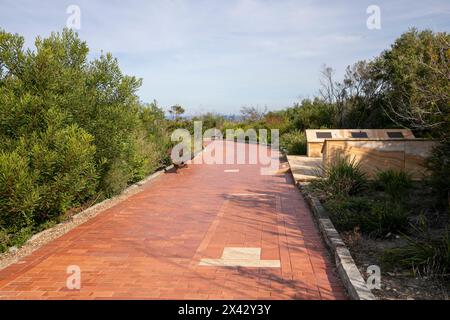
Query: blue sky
{"points": [[218, 56]]}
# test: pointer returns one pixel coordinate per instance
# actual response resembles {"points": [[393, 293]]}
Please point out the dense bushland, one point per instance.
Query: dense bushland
{"points": [[71, 130]]}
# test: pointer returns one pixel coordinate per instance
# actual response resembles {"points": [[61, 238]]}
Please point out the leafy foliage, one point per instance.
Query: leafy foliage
{"points": [[341, 186], [18, 195], [439, 165], [70, 129], [423, 255], [294, 142], [310, 115], [342, 177], [394, 183], [376, 218], [176, 111], [414, 75]]}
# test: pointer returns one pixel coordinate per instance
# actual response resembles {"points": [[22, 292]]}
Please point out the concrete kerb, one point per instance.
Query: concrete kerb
{"points": [[348, 271]]}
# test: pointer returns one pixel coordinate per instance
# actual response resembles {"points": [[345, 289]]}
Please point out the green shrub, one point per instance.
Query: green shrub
{"points": [[394, 183], [15, 237], [116, 178], [376, 218], [64, 163], [423, 255], [294, 142], [387, 217], [70, 128], [18, 194], [348, 213], [4, 240], [20, 237], [439, 164], [342, 177], [310, 114]]}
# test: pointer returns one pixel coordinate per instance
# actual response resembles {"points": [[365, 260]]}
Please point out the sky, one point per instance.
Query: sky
{"points": [[220, 55]]}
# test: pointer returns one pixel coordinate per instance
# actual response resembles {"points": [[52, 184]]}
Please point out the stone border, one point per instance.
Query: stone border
{"points": [[348, 271], [39, 239]]}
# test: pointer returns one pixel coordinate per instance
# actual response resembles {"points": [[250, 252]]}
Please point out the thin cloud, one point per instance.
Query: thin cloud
{"points": [[219, 55]]}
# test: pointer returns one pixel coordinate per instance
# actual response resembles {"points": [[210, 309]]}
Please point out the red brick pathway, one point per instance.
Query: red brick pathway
{"points": [[150, 245]]}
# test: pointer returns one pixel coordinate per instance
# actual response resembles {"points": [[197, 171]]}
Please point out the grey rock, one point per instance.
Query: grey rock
{"points": [[13, 249]]}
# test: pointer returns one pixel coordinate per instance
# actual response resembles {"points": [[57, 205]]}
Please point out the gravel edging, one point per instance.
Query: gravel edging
{"points": [[39, 239], [348, 271]]}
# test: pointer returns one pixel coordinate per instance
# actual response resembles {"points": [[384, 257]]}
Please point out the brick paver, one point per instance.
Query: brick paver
{"points": [[150, 245]]}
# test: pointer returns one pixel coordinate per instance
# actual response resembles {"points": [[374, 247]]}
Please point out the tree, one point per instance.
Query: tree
{"points": [[253, 113], [333, 93], [327, 85], [311, 115], [416, 81], [176, 111]]}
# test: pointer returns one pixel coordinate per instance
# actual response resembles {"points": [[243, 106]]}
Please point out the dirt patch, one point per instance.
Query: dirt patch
{"points": [[394, 285]]}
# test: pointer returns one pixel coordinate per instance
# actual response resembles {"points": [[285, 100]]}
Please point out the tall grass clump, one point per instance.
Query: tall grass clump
{"points": [[371, 217], [423, 255], [342, 177], [341, 186], [394, 183]]}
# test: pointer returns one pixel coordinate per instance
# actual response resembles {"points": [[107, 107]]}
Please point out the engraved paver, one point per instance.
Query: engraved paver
{"points": [[241, 257]]}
